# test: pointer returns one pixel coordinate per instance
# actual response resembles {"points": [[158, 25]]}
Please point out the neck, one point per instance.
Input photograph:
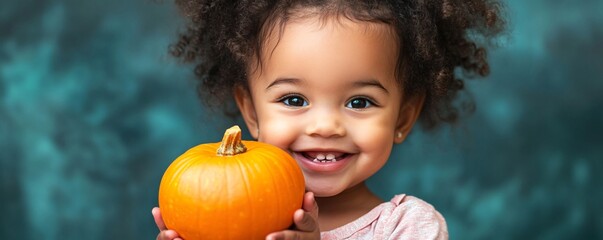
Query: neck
{"points": [[345, 207]]}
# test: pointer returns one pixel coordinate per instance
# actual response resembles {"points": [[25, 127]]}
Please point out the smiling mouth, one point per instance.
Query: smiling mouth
{"points": [[324, 157]]}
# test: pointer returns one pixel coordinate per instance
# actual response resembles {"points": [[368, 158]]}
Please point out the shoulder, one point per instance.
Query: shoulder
{"points": [[412, 218]]}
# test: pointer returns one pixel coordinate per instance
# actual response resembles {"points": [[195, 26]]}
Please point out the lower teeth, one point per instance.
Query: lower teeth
{"points": [[324, 161]]}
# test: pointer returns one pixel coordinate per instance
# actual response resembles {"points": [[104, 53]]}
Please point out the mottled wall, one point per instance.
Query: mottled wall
{"points": [[93, 109]]}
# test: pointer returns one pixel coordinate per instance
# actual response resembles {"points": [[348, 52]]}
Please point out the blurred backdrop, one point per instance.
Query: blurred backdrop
{"points": [[93, 109]]}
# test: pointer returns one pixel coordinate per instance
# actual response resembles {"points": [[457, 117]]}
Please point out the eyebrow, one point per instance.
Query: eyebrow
{"points": [[370, 83], [356, 84], [279, 81]]}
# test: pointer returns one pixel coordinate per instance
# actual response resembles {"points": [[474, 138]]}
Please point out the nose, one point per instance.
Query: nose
{"points": [[326, 125]]}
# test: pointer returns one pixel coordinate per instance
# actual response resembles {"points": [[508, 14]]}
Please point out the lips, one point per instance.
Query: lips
{"points": [[322, 161]]}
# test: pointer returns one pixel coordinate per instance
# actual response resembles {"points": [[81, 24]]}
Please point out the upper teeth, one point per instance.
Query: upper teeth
{"points": [[323, 158]]}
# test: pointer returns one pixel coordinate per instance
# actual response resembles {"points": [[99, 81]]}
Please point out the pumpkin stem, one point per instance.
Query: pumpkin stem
{"points": [[231, 142]]}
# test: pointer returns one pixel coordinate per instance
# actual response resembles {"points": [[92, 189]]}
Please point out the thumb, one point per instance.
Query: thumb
{"points": [[158, 219], [309, 205]]}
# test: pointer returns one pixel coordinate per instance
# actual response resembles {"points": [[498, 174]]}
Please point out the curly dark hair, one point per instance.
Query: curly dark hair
{"points": [[438, 37]]}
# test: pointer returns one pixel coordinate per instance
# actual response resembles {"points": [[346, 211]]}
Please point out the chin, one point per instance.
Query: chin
{"points": [[324, 190], [320, 195]]}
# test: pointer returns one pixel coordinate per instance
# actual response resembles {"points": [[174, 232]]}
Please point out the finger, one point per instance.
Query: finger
{"points": [[158, 220], [290, 234], [168, 235], [304, 221], [310, 205]]}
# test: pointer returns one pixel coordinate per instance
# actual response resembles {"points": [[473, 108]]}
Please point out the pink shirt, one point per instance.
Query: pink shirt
{"points": [[404, 217]]}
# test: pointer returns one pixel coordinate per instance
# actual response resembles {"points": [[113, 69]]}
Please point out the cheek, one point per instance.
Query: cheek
{"points": [[378, 143], [279, 133]]}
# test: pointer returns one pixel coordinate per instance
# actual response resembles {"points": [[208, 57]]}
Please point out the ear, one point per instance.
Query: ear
{"points": [[247, 109], [409, 113]]}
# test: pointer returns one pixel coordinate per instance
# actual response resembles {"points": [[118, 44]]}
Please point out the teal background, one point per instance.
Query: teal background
{"points": [[93, 109]]}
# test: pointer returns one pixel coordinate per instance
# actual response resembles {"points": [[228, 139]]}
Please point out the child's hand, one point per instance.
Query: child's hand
{"points": [[305, 221], [164, 233]]}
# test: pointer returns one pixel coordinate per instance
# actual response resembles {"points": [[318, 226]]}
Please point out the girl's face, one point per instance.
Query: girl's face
{"points": [[327, 93]]}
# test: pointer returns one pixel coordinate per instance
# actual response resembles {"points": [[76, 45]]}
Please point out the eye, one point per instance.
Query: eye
{"points": [[294, 101], [359, 102]]}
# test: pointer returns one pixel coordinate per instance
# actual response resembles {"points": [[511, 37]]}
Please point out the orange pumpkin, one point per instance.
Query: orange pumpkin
{"points": [[231, 190]]}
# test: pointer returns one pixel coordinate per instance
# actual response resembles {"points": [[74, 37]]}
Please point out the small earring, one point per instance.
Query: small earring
{"points": [[399, 135]]}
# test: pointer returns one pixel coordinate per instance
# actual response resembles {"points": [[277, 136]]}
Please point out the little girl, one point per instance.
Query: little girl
{"points": [[337, 84]]}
